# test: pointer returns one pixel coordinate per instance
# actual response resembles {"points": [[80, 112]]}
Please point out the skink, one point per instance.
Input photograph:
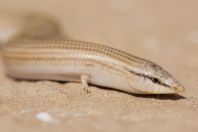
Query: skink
{"points": [[44, 58]]}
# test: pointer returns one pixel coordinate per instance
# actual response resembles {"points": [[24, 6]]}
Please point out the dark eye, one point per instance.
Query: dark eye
{"points": [[155, 80]]}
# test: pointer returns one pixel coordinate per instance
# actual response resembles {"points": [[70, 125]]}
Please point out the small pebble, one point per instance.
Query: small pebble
{"points": [[44, 117]]}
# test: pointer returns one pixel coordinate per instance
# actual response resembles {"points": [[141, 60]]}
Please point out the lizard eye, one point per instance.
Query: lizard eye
{"points": [[155, 80]]}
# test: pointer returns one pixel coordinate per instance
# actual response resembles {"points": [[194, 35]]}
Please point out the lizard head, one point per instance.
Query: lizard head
{"points": [[152, 79]]}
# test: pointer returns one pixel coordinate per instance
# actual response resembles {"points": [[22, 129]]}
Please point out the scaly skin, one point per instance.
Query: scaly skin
{"points": [[40, 51]]}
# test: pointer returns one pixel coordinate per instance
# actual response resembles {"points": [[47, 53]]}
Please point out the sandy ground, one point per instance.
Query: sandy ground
{"points": [[165, 32]]}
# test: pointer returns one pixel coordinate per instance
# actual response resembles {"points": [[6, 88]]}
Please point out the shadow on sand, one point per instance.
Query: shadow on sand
{"points": [[154, 96]]}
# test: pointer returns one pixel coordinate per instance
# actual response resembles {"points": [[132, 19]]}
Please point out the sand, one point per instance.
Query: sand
{"points": [[164, 32]]}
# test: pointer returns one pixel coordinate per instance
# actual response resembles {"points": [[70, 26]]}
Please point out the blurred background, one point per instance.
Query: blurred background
{"points": [[164, 28]]}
